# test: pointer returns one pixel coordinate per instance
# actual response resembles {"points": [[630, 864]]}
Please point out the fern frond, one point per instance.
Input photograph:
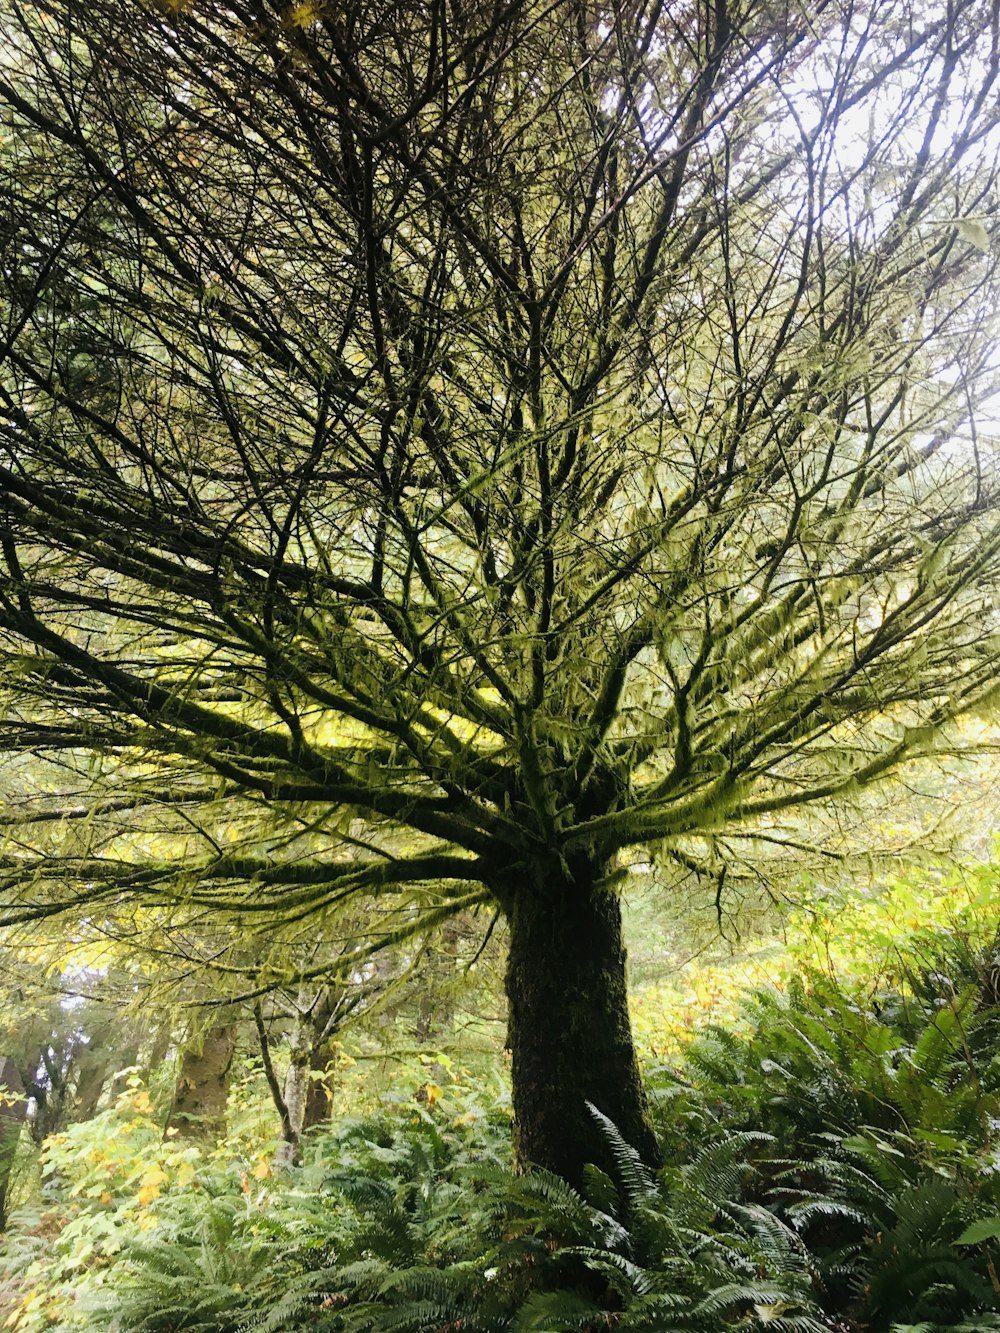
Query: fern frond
{"points": [[556, 1312], [737, 1296], [635, 1180]]}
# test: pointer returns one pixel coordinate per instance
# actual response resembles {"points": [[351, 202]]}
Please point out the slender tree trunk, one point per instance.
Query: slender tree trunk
{"points": [[125, 1064], [306, 1099], [48, 1089], [569, 1029], [12, 1112], [294, 1096], [436, 1012], [303, 1101], [163, 1035]]}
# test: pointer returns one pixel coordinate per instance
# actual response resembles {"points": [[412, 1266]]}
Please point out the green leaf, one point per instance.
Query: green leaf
{"points": [[987, 1228]]}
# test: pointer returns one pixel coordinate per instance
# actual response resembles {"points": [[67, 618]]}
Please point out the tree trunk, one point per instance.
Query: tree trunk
{"points": [[12, 1112], [295, 1093], [317, 1106], [93, 1064], [436, 1010], [202, 1090], [45, 1076], [306, 1098], [163, 1035], [126, 1064], [569, 1029]]}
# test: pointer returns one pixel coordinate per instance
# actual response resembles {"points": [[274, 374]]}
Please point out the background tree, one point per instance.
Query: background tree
{"points": [[447, 447], [13, 1108], [68, 1036], [310, 1017]]}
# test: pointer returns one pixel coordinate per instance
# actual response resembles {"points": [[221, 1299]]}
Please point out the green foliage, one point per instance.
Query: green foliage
{"points": [[831, 1168], [414, 1221], [883, 1121], [867, 935], [102, 1183]]}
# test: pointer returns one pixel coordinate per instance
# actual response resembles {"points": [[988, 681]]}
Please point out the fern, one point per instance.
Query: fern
{"points": [[555, 1312], [823, 1165], [635, 1181]]}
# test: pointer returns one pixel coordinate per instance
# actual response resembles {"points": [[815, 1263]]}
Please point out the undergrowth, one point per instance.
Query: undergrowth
{"points": [[831, 1166]]}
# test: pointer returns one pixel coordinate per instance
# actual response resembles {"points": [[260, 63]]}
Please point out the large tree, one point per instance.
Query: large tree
{"points": [[448, 445]]}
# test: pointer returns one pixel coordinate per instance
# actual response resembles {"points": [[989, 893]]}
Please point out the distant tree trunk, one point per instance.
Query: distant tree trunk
{"points": [[436, 1009], [159, 1047], [328, 1015], [317, 1107], [202, 1090], [13, 1108], [295, 1095], [89, 1087], [93, 1064], [304, 1100], [45, 1078], [126, 1064], [569, 1029]]}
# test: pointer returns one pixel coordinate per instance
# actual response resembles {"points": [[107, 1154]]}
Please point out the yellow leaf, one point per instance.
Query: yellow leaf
{"points": [[304, 13], [106, 1198], [262, 1169], [433, 1092], [149, 1186], [185, 1173], [14, 1317]]}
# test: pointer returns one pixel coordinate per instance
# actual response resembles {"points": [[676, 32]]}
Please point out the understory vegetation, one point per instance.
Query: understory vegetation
{"points": [[832, 1165]]}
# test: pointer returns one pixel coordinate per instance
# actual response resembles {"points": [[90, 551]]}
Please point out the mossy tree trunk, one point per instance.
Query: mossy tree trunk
{"points": [[12, 1112], [306, 1094], [93, 1066], [45, 1076], [569, 1031], [317, 1104], [302, 1099], [202, 1090]]}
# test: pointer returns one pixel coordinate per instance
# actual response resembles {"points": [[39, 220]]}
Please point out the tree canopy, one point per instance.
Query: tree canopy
{"points": [[448, 445]]}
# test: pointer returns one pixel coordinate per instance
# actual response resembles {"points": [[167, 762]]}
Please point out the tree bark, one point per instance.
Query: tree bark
{"points": [[202, 1090], [93, 1064], [44, 1075], [569, 1030], [306, 1098], [12, 1112], [317, 1105], [295, 1092]]}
